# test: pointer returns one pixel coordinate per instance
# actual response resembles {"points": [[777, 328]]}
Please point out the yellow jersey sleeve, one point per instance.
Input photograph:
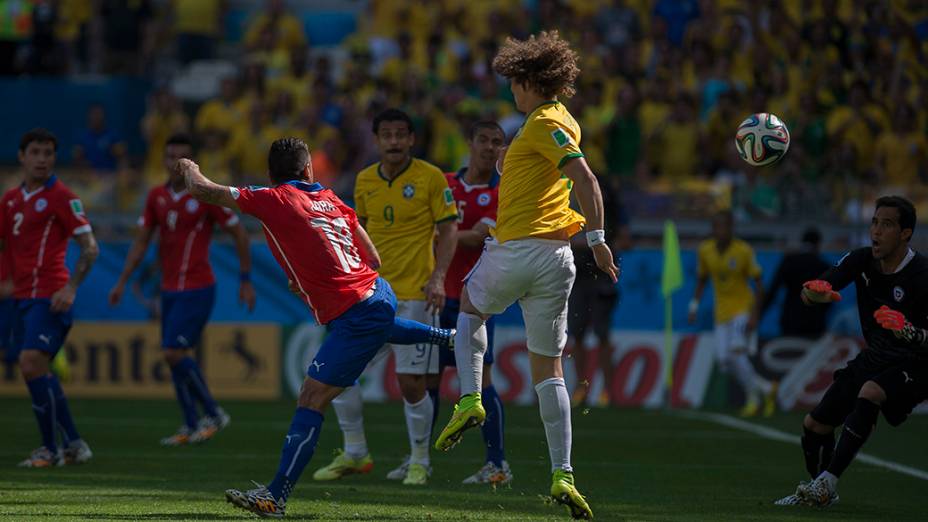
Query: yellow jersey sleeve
{"points": [[555, 140], [441, 200], [752, 268]]}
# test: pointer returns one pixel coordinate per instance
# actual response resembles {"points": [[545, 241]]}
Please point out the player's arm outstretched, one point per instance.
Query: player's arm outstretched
{"points": [[246, 291], [591, 205], [136, 253], [202, 188], [89, 250]]}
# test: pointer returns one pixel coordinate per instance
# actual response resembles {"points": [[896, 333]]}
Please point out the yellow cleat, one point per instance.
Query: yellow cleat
{"points": [[751, 409], [416, 475], [770, 400], [564, 492], [343, 465], [468, 413]]}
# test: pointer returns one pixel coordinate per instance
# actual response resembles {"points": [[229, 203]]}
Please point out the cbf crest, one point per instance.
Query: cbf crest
{"points": [[898, 294], [409, 190]]}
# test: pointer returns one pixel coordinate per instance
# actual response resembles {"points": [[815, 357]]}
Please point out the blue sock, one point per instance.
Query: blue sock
{"points": [[44, 407], [63, 413], [405, 331], [298, 450], [198, 388], [180, 374], [433, 393], [493, 427]]}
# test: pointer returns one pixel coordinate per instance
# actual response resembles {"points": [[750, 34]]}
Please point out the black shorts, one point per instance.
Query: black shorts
{"points": [[905, 384], [591, 302]]}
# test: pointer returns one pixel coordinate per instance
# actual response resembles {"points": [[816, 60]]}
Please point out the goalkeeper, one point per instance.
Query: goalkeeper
{"points": [[891, 375]]}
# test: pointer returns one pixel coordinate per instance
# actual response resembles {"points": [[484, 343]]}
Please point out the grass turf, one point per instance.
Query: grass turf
{"points": [[631, 465]]}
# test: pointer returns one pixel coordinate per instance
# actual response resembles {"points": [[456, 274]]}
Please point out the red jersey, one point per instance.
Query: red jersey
{"points": [[35, 227], [311, 234], [476, 203], [185, 227]]}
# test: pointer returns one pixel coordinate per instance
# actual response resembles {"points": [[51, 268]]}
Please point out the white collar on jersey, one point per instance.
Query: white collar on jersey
{"points": [[908, 258], [27, 195], [176, 195]]}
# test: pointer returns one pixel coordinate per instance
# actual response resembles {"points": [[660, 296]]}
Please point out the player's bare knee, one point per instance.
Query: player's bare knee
{"points": [[412, 387], [544, 367], [433, 381], [173, 356], [815, 426], [33, 364], [468, 308], [317, 395], [873, 392]]}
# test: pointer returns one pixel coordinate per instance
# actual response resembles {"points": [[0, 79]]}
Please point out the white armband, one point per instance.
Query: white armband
{"points": [[595, 237]]}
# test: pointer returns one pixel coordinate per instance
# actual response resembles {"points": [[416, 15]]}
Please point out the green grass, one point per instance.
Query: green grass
{"points": [[632, 465]]}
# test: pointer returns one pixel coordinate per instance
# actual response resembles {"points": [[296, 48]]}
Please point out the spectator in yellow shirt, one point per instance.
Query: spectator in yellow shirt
{"points": [[678, 141], [163, 118], [902, 153], [250, 140], [198, 26], [288, 27], [220, 114], [859, 121]]}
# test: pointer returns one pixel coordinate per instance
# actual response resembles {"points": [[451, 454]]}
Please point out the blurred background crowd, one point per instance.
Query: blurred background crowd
{"points": [[664, 85]]}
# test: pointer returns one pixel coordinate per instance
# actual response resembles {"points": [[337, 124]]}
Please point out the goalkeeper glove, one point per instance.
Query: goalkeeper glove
{"points": [[896, 322], [819, 291]]}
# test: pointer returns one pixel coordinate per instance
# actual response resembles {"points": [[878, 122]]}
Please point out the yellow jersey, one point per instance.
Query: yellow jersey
{"points": [[534, 198], [400, 217], [730, 272]]}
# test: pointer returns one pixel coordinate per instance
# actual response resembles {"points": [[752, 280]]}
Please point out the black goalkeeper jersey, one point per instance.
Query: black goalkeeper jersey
{"points": [[906, 290]]}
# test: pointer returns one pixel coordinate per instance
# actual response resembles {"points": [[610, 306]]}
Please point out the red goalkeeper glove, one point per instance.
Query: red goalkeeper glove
{"points": [[896, 322], [819, 291]]}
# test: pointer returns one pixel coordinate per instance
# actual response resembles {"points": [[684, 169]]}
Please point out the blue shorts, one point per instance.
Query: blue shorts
{"points": [[7, 313], [184, 315], [449, 319], [36, 327], [354, 338]]}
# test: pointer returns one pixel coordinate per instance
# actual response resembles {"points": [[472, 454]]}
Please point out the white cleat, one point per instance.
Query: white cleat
{"points": [[817, 493], [208, 426], [490, 473], [77, 452], [403, 469]]}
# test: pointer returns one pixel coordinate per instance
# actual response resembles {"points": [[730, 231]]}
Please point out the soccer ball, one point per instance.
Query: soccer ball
{"points": [[762, 139]]}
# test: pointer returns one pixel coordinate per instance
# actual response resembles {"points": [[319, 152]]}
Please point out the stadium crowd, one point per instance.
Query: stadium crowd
{"points": [[664, 85]]}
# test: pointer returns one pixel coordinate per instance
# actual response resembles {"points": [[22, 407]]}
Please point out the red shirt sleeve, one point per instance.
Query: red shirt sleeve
{"points": [[149, 219], [70, 211], [251, 200]]}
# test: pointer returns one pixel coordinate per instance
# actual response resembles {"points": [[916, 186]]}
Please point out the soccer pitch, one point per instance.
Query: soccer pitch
{"points": [[631, 465]]}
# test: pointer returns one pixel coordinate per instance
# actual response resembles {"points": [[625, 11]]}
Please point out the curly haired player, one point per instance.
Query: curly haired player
{"points": [[529, 258]]}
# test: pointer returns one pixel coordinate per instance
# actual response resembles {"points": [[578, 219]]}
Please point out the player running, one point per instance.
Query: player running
{"points": [[731, 264], [476, 190], [328, 257], [188, 287], [529, 259], [36, 220], [401, 202], [891, 375]]}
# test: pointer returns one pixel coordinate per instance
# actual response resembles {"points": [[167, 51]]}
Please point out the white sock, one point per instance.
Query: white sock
{"points": [[554, 404], [349, 408], [752, 383], [419, 427], [830, 479], [470, 343]]}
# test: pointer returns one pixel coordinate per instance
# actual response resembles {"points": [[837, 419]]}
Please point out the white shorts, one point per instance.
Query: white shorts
{"points": [[538, 273], [418, 359], [732, 337]]}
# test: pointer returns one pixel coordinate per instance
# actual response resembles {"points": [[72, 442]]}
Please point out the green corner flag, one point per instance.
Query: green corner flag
{"points": [[671, 281]]}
